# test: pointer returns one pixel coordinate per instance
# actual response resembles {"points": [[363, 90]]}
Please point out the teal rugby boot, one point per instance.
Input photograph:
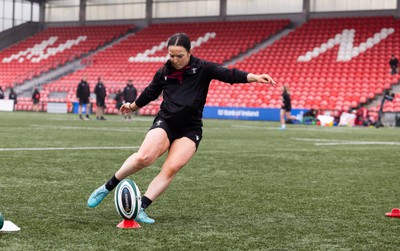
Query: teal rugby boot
{"points": [[143, 218], [97, 196]]}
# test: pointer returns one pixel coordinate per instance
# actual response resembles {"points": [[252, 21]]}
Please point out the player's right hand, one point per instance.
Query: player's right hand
{"points": [[125, 108]]}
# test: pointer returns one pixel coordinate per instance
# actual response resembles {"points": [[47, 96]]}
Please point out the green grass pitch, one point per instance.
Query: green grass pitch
{"points": [[249, 187]]}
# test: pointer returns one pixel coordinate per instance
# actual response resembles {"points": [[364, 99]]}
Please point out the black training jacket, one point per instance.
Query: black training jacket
{"points": [[183, 102], [83, 90], [100, 91]]}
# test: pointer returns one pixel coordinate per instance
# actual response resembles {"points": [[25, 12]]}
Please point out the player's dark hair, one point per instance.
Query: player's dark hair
{"points": [[179, 39]]}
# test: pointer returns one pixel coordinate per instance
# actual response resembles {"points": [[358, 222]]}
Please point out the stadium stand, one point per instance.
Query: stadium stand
{"points": [[330, 64], [51, 48], [128, 59]]}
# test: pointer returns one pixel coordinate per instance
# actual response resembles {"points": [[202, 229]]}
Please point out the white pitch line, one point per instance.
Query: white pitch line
{"points": [[311, 139], [333, 142], [358, 143], [264, 127], [83, 128], [68, 148], [335, 130]]}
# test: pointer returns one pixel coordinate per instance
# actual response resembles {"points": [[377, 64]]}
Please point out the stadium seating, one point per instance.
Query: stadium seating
{"points": [[332, 64], [321, 79], [52, 47], [220, 42]]}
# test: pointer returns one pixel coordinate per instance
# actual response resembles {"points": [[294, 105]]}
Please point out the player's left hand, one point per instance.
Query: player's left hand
{"points": [[265, 78], [262, 78]]}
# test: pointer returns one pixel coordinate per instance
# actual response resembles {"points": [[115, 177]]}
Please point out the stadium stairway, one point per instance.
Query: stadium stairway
{"points": [[25, 90], [264, 44], [392, 108]]}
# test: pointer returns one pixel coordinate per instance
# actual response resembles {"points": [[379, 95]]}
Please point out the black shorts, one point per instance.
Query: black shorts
{"points": [[193, 134], [286, 108], [83, 101], [101, 102]]}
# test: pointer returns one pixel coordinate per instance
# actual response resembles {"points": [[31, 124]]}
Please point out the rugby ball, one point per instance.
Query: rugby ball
{"points": [[127, 199]]}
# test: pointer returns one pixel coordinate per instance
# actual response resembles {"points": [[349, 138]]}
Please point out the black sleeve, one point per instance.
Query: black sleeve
{"points": [[224, 74], [151, 92]]}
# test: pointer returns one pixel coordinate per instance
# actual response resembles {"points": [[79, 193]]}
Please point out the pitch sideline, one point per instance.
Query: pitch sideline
{"points": [[330, 142], [68, 148]]}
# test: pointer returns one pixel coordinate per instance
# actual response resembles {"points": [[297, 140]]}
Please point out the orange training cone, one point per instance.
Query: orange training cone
{"points": [[394, 213], [128, 224]]}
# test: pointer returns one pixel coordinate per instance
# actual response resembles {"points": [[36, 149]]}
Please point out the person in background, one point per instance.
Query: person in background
{"points": [[83, 94], [119, 100], [13, 96], [1, 93], [310, 117], [130, 94], [183, 81], [101, 93], [35, 100], [285, 115], [363, 117], [394, 64]]}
